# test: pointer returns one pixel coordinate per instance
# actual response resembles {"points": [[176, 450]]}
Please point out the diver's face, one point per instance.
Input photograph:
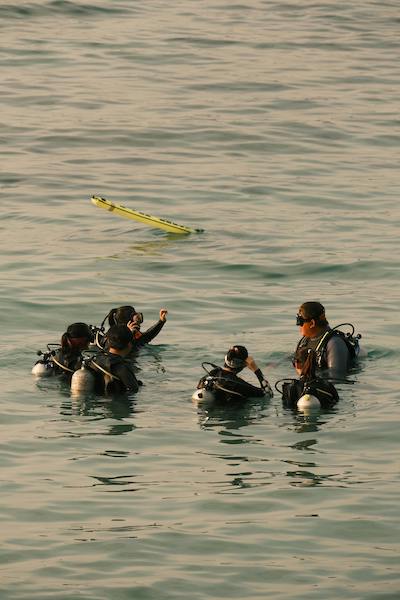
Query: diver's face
{"points": [[298, 367], [306, 326]]}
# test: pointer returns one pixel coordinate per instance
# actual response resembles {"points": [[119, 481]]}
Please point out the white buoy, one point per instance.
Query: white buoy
{"points": [[82, 381], [308, 402], [41, 369]]}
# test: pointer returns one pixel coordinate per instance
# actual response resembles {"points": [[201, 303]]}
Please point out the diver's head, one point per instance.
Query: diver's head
{"points": [[119, 339], [122, 316], [304, 361], [311, 318], [77, 337], [235, 358]]}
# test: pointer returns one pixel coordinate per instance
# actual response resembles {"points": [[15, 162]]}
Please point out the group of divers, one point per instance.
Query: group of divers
{"points": [[97, 360]]}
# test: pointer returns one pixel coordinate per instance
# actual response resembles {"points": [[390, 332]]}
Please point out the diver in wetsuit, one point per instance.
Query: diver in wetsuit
{"points": [[68, 358], [225, 383], [334, 350], [114, 373], [127, 315], [309, 383]]}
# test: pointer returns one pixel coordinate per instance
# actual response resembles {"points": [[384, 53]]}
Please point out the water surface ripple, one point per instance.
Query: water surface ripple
{"points": [[275, 127]]}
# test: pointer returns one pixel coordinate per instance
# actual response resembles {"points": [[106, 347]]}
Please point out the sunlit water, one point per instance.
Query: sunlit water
{"points": [[275, 127]]}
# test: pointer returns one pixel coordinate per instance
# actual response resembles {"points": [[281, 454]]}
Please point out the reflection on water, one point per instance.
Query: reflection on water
{"points": [[305, 477], [308, 423], [301, 478], [115, 408], [232, 416], [155, 247], [304, 445], [120, 483], [99, 409]]}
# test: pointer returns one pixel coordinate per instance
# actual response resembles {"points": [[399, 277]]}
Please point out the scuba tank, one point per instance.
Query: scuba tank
{"points": [[83, 380], [44, 366], [206, 393], [203, 395], [42, 369], [308, 402], [351, 340]]}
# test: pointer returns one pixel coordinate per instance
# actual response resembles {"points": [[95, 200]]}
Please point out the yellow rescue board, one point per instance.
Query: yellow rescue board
{"points": [[136, 215]]}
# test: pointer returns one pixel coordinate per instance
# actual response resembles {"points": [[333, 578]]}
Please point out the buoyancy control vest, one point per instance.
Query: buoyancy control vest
{"points": [[293, 389], [319, 345]]}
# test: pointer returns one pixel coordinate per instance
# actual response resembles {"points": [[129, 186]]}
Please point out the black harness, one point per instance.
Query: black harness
{"points": [[352, 342]]}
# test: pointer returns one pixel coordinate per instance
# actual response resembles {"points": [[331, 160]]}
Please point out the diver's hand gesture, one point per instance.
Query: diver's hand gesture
{"points": [[251, 364], [163, 314], [267, 388], [133, 325]]}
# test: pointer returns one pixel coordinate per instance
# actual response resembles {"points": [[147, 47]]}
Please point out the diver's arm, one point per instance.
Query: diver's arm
{"points": [[245, 389], [154, 330], [251, 363]]}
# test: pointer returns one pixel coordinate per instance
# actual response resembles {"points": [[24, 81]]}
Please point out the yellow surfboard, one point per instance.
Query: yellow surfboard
{"points": [[136, 215]]}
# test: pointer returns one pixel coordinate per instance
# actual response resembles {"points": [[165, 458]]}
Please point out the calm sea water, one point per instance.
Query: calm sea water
{"points": [[275, 127]]}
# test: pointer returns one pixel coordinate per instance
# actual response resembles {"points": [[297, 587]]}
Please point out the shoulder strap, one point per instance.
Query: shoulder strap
{"points": [[63, 367], [300, 343], [319, 350], [324, 340]]}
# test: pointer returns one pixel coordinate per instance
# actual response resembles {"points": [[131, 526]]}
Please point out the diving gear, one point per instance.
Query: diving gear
{"points": [[83, 380], [236, 357], [335, 349], [225, 385], [45, 366], [293, 390], [308, 402], [301, 320]]}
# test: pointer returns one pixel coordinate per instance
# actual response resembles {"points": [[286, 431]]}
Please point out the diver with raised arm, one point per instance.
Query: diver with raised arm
{"points": [[223, 383], [132, 319]]}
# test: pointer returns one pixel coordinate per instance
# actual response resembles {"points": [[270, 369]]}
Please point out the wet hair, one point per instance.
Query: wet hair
{"points": [[313, 310], [306, 360], [77, 337], [236, 358], [119, 336], [121, 315]]}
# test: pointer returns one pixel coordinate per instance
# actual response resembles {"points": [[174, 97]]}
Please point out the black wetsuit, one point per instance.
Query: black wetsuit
{"points": [[227, 386], [120, 377], [321, 389], [66, 362], [331, 349], [140, 339]]}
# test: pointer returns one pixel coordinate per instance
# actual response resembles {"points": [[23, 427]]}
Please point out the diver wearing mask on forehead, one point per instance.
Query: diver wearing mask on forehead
{"points": [[335, 350], [127, 315], [223, 384]]}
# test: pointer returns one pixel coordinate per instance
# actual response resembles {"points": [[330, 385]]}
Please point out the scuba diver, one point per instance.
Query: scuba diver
{"points": [[128, 316], [335, 350], [113, 373], [309, 391], [66, 357], [223, 384]]}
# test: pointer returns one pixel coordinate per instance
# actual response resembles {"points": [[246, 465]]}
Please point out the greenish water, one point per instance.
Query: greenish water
{"points": [[274, 126]]}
